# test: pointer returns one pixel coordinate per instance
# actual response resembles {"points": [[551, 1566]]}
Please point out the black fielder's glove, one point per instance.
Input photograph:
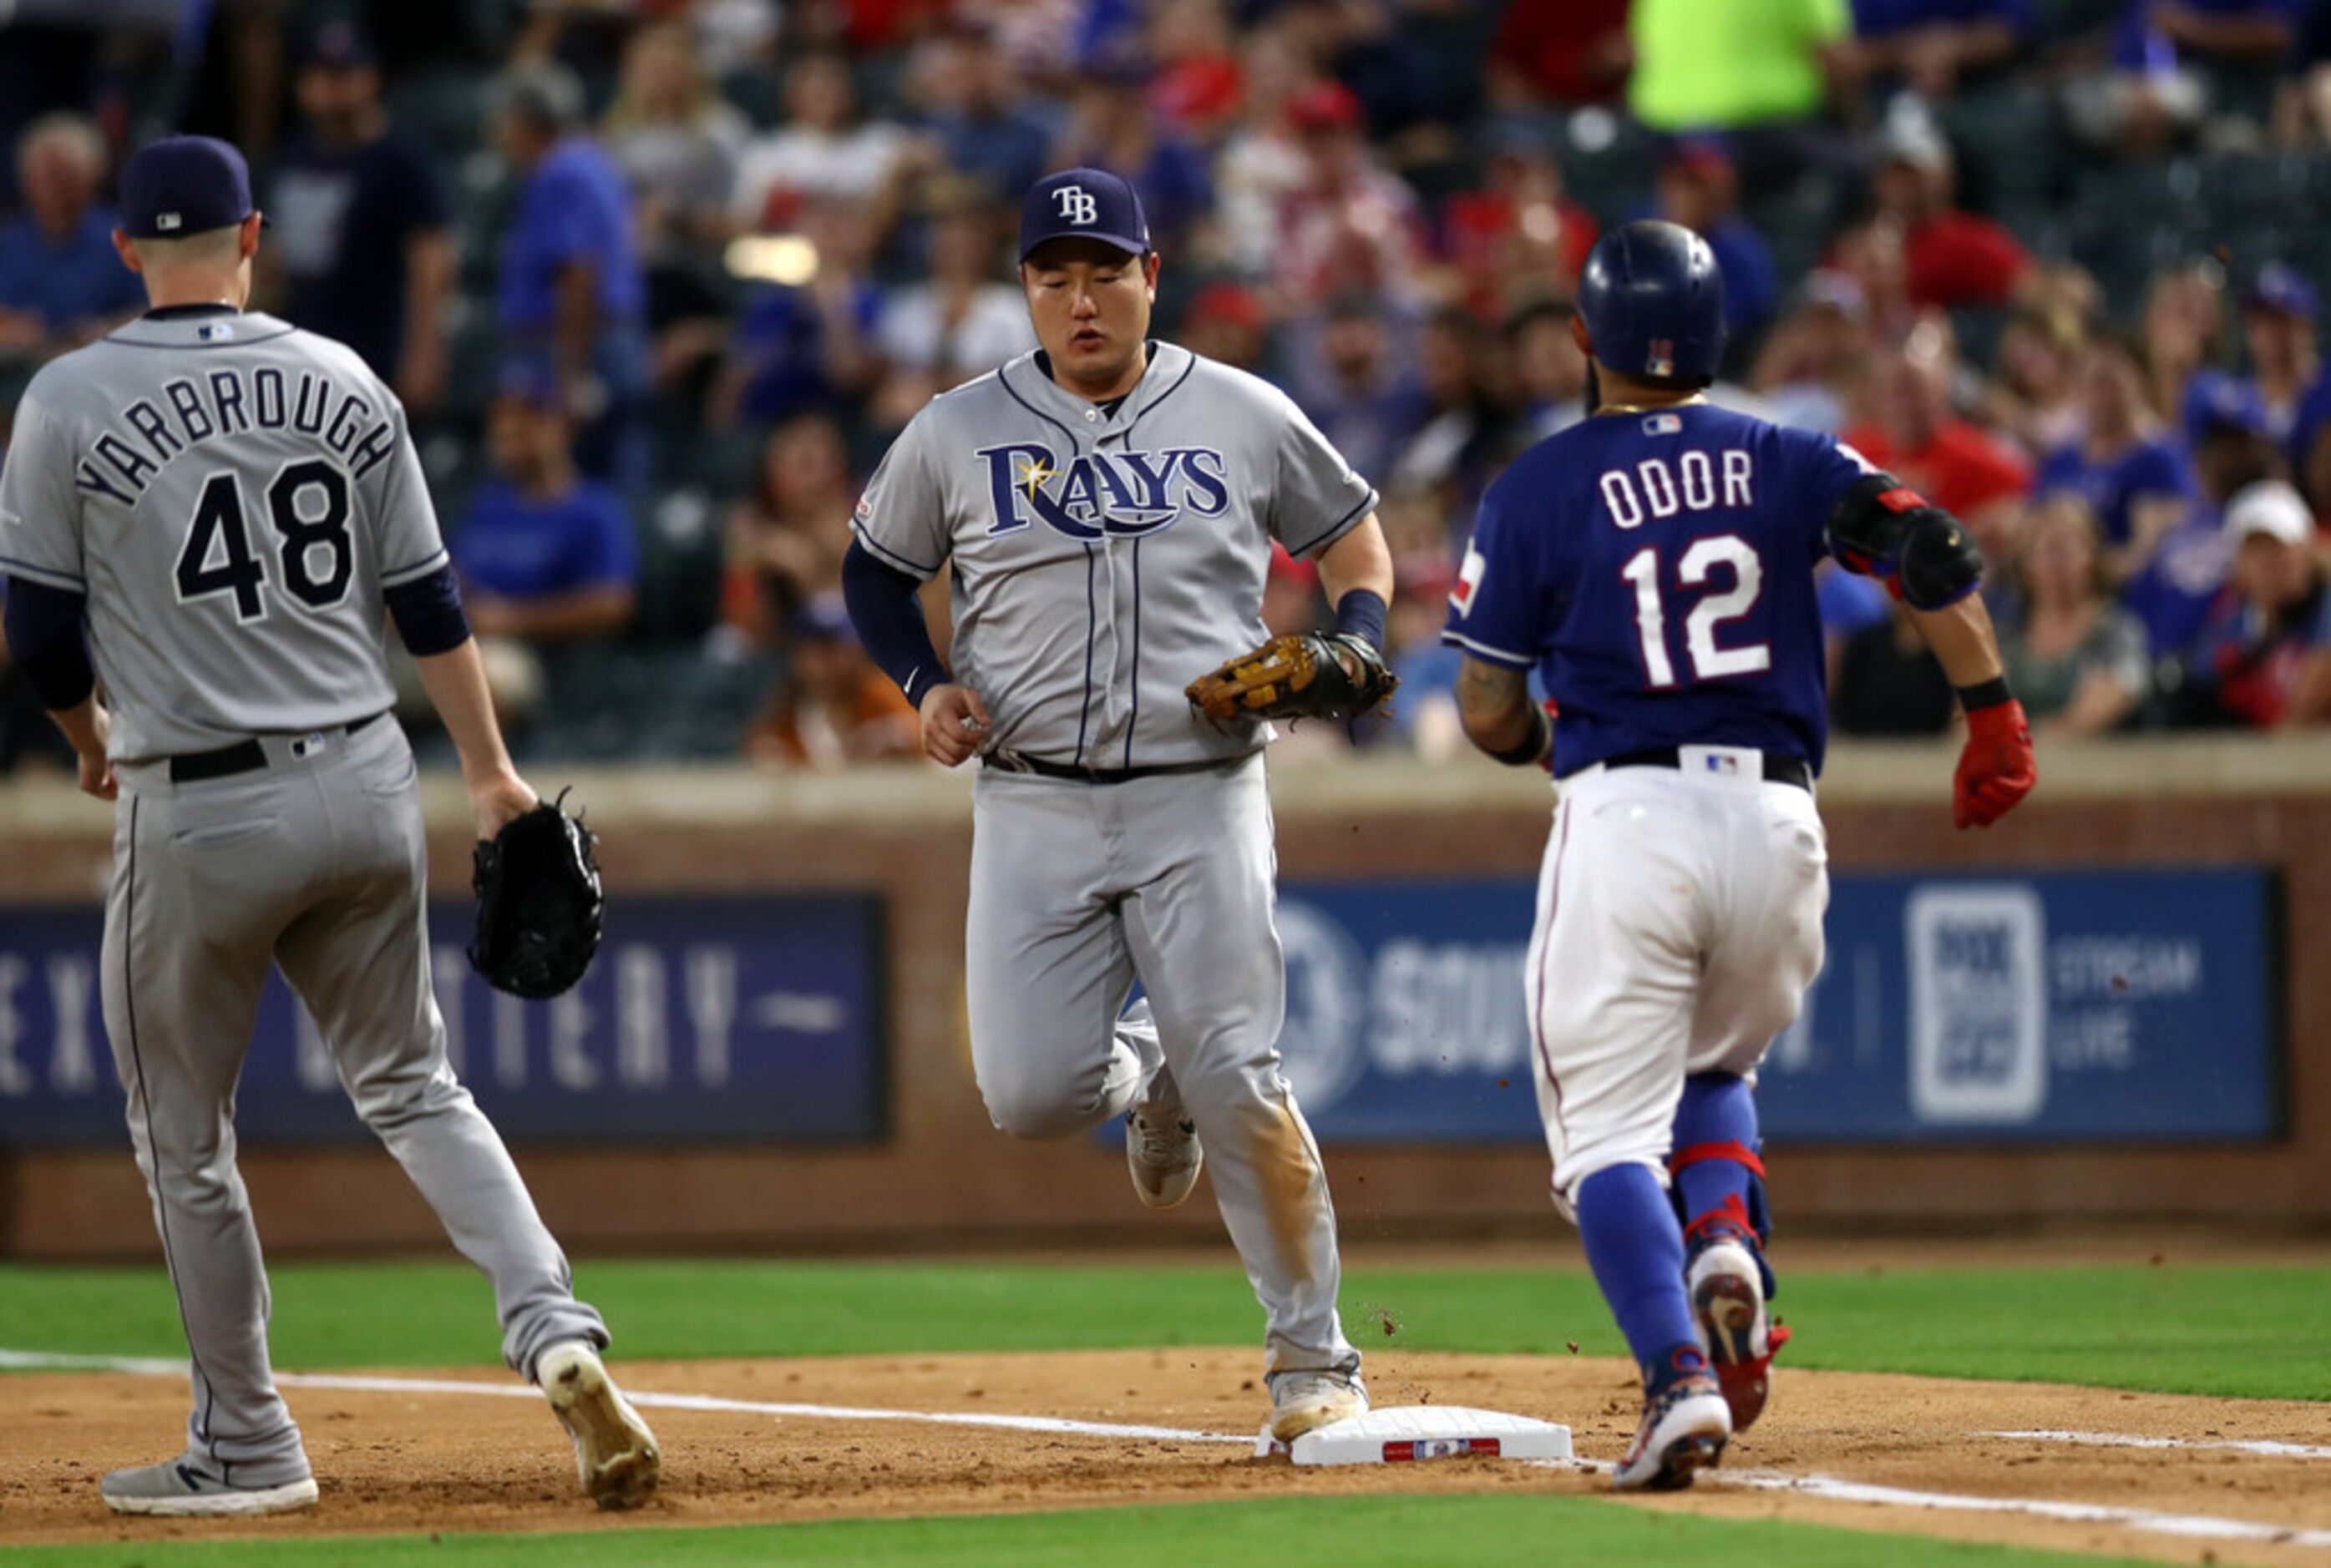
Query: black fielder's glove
{"points": [[539, 903], [1300, 676]]}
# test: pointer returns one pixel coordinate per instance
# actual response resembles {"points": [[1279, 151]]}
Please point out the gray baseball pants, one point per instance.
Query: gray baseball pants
{"points": [[316, 862], [1078, 889]]}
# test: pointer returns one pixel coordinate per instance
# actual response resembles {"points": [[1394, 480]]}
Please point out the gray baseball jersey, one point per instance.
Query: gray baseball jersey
{"points": [[233, 494], [1102, 561]]}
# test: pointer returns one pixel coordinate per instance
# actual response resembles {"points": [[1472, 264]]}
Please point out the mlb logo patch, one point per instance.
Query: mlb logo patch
{"points": [[213, 332], [1660, 359], [1663, 424], [1723, 764]]}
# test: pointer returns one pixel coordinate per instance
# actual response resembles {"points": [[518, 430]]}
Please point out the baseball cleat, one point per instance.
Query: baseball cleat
{"points": [[1727, 1302], [1162, 1152], [188, 1487], [614, 1452], [1302, 1402], [1684, 1429]]}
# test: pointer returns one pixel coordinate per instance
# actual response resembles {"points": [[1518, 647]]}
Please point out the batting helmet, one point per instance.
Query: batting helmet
{"points": [[1653, 302]]}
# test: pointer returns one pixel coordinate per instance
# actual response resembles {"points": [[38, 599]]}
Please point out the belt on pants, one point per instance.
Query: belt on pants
{"points": [[1778, 769], [1015, 762], [243, 757]]}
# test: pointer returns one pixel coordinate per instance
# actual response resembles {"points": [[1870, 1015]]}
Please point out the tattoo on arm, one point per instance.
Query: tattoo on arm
{"points": [[1486, 690]]}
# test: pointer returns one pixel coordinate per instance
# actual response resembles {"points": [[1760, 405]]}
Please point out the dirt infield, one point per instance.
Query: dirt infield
{"points": [[446, 1459]]}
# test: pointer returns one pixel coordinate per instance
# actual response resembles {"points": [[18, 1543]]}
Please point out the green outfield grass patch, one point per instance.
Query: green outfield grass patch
{"points": [[2242, 1330], [1384, 1531]]}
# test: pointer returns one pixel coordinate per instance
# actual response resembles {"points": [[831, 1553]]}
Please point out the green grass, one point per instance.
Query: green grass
{"points": [[2240, 1331], [1478, 1531]]}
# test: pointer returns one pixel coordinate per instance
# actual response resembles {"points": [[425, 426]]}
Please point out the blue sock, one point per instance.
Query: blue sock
{"points": [[1718, 1112], [1635, 1247]]}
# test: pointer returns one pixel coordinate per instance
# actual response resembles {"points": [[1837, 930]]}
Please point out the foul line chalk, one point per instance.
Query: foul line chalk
{"points": [[2266, 1447], [148, 1366]]}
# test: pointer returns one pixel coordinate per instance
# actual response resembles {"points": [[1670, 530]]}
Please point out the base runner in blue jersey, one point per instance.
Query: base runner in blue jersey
{"points": [[1655, 564]]}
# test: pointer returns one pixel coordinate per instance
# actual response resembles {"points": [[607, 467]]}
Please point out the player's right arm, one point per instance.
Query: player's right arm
{"points": [[40, 553], [1879, 526], [901, 541]]}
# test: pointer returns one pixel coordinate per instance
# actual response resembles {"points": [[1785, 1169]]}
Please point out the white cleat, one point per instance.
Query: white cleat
{"points": [[1684, 1429], [1302, 1402], [614, 1452], [1162, 1152], [1727, 1301], [186, 1488]]}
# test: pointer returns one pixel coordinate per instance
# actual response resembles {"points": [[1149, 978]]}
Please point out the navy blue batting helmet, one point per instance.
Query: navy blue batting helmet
{"points": [[1653, 302]]}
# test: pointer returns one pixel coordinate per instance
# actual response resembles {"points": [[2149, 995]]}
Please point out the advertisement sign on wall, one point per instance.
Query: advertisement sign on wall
{"points": [[702, 1018], [2060, 1006]]}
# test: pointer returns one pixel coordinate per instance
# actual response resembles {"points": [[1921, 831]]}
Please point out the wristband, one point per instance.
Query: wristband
{"points": [[1984, 694], [1533, 748], [1361, 613]]}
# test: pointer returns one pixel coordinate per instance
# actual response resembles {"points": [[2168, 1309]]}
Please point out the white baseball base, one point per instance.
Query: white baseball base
{"points": [[1408, 1433]]}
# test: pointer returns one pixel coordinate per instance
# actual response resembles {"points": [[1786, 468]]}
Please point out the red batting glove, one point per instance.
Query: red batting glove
{"points": [[1996, 770]]}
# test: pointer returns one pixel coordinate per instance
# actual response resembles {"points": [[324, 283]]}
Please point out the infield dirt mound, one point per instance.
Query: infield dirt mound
{"points": [[399, 1460]]}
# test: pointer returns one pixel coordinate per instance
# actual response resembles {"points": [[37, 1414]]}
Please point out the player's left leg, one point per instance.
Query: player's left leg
{"points": [[1767, 952], [1199, 927], [359, 959]]}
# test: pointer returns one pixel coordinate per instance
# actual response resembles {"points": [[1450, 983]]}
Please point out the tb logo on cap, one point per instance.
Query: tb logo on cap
{"points": [[1078, 205]]}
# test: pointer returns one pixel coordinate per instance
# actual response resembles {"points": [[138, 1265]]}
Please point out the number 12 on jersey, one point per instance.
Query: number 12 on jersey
{"points": [[1717, 604]]}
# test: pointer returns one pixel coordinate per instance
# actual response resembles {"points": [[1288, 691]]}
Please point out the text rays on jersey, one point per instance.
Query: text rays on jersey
{"points": [[234, 401], [1123, 494]]}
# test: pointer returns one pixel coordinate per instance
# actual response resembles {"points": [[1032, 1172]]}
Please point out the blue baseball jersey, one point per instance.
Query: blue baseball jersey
{"points": [[1656, 567]]}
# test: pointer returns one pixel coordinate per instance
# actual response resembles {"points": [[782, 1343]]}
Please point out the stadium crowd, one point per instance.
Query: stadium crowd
{"points": [[658, 281]]}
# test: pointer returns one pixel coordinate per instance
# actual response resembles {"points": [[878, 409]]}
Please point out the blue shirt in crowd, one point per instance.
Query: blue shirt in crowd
{"points": [[780, 339], [2148, 468], [77, 279], [1876, 18], [2138, 46], [343, 220], [1007, 152], [522, 548], [573, 208]]}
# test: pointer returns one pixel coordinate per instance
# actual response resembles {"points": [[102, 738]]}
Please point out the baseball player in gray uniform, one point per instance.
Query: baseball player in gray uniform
{"points": [[1106, 507], [227, 505]]}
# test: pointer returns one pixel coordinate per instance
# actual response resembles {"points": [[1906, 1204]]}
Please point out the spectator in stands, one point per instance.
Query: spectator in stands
{"points": [[1516, 228], [2265, 657], [822, 150], [544, 555], [2184, 331], [1351, 224], [362, 233], [571, 297], [803, 343], [2129, 471], [1767, 69], [1549, 364], [61, 283], [1955, 259], [1559, 52], [833, 708], [1870, 253], [2279, 324], [1474, 428], [2078, 662], [1261, 164], [786, 539], [1352, 385], [1815, 354], [1953, 463], [1224, 323], [1199, 79], [2168, 55], [1700, 188], [679, 143], [961, 320], [1930, 46], [2174, 591], [1889, 684], [2035, 395], [974, 112]]}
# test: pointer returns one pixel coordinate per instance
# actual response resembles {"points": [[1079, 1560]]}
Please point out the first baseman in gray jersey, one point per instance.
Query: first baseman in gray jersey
{"points": [[227, 505], [1107, 509]]}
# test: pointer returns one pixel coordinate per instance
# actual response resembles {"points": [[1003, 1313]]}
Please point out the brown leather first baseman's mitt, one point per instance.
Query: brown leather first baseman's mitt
{"points": [[1297, 677]]}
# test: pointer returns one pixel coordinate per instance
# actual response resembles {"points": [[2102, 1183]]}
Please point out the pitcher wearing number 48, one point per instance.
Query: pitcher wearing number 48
{"points": [[229, 506], [1655, 564]]}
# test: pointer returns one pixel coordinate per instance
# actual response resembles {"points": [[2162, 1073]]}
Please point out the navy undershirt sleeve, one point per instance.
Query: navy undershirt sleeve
{"points": [[429, 614], [44, 637], [886, 607]]}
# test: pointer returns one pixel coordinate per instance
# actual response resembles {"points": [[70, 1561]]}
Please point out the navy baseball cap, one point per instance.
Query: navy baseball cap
{"points": [[1083, 203], [2281, 287], [183, 184], [339, 45]]}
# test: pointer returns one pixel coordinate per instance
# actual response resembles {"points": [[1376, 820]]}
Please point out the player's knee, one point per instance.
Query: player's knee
{"points": [[1584, 1163], [1037, 1111]]}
